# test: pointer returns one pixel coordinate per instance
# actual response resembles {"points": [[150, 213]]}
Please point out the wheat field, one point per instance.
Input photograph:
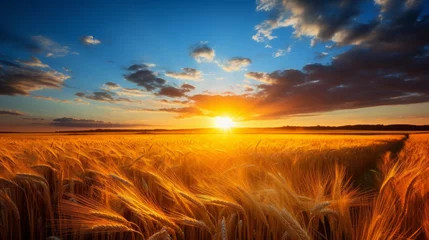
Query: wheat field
{"points": [[214, 186]]}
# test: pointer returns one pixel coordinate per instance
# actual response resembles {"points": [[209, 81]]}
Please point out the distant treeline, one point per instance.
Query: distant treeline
{"points": [[364, 127], [360, 127]]}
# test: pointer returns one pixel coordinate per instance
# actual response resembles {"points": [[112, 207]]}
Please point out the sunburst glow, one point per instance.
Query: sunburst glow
{"points": [[224, 123]]}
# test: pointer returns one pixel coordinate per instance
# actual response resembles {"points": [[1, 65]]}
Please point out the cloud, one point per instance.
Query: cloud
{"points": [[11, 112], [111, 86], [282, 52], [145, 78], [319, 19], [321, 55], [106, 96], [136, 67], [268, 46], [33, 62], [152, 83], [187, 74], [17, 79], [50, 47], [259, 76], [202, 53], [80, 101], [357, 78], [34, 119], [88, 123], [266, 5], [52, 99], [132, 92], [67, 69], [235, 64], [89, 40], [173, 92], [339, 21]]}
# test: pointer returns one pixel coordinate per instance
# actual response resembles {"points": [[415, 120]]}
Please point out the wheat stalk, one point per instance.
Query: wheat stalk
{"points": [[224, 231], [161, 235]]}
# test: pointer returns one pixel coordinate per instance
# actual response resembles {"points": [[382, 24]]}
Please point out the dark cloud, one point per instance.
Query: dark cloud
{"points": [[87, 123], [187, 74], [34, 119], [201, 52], [398, 22], [136, 67], [152, 83], [357, 78], [112, 85], [17, 79], [106, 96], [171, 91], [11, 112], [145, 78], [319, 19], [259, 76]]}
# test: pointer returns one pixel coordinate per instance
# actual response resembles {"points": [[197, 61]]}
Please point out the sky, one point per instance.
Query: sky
{"points": [[179, 64]]}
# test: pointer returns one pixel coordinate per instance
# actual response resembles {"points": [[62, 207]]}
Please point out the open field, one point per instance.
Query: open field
{"points": [[214, 186]]}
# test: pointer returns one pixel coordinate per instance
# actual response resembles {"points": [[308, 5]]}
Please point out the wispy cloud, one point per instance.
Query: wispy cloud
{"points": [[235, 64], [187, 74], [51, 48], [33, 62], [11, 112], [282, 52]]}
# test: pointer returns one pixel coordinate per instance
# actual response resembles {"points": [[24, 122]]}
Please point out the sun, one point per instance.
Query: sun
{"points": [[224, 123]]}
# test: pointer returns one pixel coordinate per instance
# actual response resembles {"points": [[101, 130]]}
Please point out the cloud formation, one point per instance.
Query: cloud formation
{"points": [[175, 92], [282, 52], [52, 99], [106, 96], [235, 64], [17, 79], [89, 40], [10, 112], [51, 48], [33, 62], [202, 53], [66, 69], [33, 119], [187, 74], [88, 123], [111, 86], [338, 21], [150, 81]]}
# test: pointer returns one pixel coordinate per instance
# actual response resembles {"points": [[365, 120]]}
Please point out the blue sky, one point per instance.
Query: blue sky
{"points": [[164, 34]]}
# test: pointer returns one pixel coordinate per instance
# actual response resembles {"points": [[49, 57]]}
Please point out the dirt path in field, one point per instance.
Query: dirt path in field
{"points": [[369, 178], [397, 146]]}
